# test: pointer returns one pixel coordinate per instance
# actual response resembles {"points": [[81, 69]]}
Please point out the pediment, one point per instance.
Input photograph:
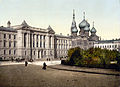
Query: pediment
{"points": [[51, 31]]}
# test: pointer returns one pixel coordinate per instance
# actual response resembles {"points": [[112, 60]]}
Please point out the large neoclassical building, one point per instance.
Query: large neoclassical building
{"points": [[23, 41], [26, 42]]}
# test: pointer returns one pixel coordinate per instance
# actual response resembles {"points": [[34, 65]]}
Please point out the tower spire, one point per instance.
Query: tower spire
{"points": [[73, 14], [93, 23], [83, 15]]}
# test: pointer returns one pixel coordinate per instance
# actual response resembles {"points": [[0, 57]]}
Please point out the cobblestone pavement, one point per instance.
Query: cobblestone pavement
{"points": [[55, 76]]}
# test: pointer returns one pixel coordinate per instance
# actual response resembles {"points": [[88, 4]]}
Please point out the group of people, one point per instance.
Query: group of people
{"points": [[44, 64], [48, 59]]}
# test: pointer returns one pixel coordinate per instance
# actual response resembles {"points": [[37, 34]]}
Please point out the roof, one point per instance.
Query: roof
{"points": [[108, 41], [7, 29], [62, 36]]}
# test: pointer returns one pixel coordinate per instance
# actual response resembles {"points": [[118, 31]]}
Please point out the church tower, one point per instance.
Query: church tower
{"points": [[74, 29], [84, 27], [93, 36]]}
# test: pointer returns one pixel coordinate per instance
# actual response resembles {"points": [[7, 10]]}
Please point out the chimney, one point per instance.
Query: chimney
{"points": [[8, 24], [60, 33]]}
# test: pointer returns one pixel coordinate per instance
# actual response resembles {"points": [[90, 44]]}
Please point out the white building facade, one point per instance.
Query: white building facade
{"points": [[26, 42], [108, 44]]}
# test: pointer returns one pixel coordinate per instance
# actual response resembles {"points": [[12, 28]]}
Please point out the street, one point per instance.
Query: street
{"points": [[34, 76]]}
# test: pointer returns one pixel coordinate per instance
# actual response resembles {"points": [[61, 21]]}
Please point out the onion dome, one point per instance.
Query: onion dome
{"points": [[73, 26], [93, 30], [86, 28], [84, 23], [74, 30]]}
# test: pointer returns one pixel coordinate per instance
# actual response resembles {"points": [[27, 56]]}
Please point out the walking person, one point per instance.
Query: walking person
{"points": [[26, 62], [44, 66]]}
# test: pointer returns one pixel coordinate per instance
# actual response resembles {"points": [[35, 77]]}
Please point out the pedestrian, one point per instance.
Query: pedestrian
{"points": [[26, 63], [12, 59], [44, 66]]}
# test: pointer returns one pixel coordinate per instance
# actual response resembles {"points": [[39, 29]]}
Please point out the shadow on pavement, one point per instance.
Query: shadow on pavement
{"points": [[84, 71]]}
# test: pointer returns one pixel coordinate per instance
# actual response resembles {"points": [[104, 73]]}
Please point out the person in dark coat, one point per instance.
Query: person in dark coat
{"points": [[26, 63], [44, 66]]}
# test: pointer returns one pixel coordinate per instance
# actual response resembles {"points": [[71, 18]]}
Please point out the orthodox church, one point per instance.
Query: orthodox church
{"points": [[86, 37]]}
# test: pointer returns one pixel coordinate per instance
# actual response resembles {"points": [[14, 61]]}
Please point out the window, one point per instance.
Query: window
{"points": [[9, 36], [14, 44], [50, 42], [9, 44], [9, 51], [14, 52], [4, 52], [40, 40], [14, 36], [105, 46], [37, 37], [44, 53], [37, 43], [44, 44], [4, 35], [34, 52], [25, 52], [110, 46], [4, 43]]}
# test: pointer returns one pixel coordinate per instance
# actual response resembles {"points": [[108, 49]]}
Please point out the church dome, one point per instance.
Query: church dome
{"points": [[83, 24], [86, 28], [73, 24], [93, 30], [74, 30]]}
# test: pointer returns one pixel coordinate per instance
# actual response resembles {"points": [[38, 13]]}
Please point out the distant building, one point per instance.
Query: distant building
{"points": [[108, 44]]}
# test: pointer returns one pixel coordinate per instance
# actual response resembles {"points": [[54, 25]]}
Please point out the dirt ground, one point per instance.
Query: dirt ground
{"points": [[34, 76]]}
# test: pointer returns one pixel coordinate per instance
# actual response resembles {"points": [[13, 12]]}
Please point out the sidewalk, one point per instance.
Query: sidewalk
{"points": [[34, 63], [86, 70]]}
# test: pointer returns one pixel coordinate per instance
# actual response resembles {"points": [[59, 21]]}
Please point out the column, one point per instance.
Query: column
{"points": [[26, 40], [47, 46], [52, 42], [52, 46], [42, 41], [35, 40], [40, 54], [38, 40]]}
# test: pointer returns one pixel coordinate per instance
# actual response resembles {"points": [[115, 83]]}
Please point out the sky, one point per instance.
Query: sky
{"points": [[58, 14]]}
